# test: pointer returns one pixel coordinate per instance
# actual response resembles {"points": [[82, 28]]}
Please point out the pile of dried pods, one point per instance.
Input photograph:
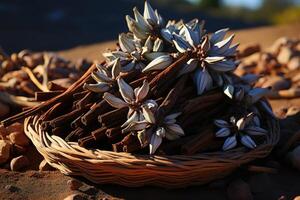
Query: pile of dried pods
{"points": [[27, 79], [168, 88], [279, 65]]}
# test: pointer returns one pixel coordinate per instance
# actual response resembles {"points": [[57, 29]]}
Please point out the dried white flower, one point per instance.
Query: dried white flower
{"points": [[135, 100], [105, 77], [167, 129], [242, 128]]}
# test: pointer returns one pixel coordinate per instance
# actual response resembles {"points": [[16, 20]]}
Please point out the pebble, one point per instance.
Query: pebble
{"points": [[284, 55], [239, 190], [74, 184], [249, 50], [19, 163], [4, 109], [294, 63], [19, 138], [277, 83], [293, 110], [75, 197], [5, 150], [294, 157], [44, 166]]}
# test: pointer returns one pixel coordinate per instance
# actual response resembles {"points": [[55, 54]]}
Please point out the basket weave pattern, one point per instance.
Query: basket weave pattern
{"points": [[137, 170]]}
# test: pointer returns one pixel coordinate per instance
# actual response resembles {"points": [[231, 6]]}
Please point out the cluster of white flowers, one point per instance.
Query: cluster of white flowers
{"points": [[151, 44]]}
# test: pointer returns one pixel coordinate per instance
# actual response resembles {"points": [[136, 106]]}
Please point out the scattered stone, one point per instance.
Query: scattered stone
{"points": [[44, 166], [277, 83], [294, 157], [5, 149], [75, 197], [294, 63], [239, 190], [74, 184], [249, 50], [19, 163], [293, 110], [284, 55], [19, 138], [259, 183], [11, 188]]}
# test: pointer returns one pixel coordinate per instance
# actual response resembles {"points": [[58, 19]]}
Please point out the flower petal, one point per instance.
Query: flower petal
{"points": [[126, 43], [218, 35], [126, 91], [154, 143], [159, 63], [248, 142], [136, 126], [116, 68], [142, 92], [221, 123], [114, 101], [229, 143], [203, 80], [222, 66], [149, 14], [98, 87], [134, 117], [149, 116], [229, 91], [223, 132], [190, 66], [255, 130], [175, 128]]}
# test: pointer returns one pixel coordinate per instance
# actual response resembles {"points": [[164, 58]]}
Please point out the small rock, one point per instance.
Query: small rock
{"points": [[4, 109], [75, 197], [259, 183], [249, 50], [294, 157], [44, 166], [19, 138], [293, 110], [284, 55], [74, 184], [19, 163], [5, 149], [277, 83], [11, 188], [294, 63], [239, 190]]}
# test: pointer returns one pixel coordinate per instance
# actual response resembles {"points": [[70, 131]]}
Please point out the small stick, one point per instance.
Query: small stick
{"points": [[113, 118], [85, 100], [114, 134], [99, 134], [54, 87], [97, 109], [44, 96]]}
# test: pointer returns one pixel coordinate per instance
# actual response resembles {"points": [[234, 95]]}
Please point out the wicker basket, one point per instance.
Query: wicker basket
{"points": [[137, 170]]}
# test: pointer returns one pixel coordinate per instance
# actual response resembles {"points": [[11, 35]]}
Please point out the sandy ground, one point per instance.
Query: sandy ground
{"points": [[52, 185]]}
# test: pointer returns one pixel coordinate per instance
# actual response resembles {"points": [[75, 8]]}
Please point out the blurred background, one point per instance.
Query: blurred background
{"points": [[62, 24]]}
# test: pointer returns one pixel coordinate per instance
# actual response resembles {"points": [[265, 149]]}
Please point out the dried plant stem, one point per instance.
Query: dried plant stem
{"points": [[17, 100], [44, 96], [113, 118], [32, 77]]}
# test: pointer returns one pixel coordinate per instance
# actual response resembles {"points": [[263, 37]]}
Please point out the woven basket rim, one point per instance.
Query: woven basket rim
{"points": [[133, 170]]}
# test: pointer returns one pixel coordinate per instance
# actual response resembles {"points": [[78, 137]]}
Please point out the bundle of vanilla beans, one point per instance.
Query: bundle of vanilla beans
{"points": [[28, 78], [168, 88]]}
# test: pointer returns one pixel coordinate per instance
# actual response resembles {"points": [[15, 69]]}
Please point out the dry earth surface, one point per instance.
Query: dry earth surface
{"points": [[53, 185]]}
